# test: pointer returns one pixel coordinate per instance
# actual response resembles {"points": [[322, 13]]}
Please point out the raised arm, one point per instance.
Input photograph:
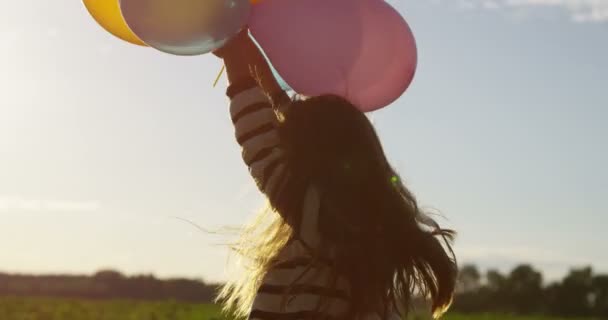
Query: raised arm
{"points": [[251, 89], [245, 63]]}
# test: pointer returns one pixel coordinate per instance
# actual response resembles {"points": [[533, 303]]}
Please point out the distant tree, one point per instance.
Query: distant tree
{"points": [[467, 286], [112, 283], [145, 287], [108, 276], [524, 290], [469, 279], [495, 292], [550, 294], [188, 290], [495, 280], [573, 297], [599, 286]]}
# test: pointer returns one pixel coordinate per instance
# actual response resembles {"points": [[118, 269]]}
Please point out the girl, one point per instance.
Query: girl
{"points": [[348, 240]]}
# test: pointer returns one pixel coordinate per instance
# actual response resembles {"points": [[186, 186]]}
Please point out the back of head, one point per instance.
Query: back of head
{"points": [[326, 135], [368, 217]]}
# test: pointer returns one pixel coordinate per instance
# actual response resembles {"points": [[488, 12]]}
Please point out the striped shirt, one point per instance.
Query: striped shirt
{"points": [[314, 293]]}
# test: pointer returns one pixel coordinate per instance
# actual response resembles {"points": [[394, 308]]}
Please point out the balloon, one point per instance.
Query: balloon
{"points": [[107, 14], [316, 47], [185, 27], [362, 50], [387, 62]]}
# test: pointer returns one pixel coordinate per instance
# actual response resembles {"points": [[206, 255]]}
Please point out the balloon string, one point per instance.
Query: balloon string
{"points": [[219, 75]]}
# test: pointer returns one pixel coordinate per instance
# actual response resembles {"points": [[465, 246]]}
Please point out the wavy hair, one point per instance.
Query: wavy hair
{"points": [[384, 244]]}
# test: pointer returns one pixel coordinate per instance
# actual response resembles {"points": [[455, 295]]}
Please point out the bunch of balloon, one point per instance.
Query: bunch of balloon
{"points": [[362, 50]]}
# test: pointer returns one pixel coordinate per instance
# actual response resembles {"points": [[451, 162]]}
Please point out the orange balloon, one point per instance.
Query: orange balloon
{"points": [[108, 15]]}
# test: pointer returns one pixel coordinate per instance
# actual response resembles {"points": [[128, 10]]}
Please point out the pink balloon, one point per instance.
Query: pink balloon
{"points": [[387, 63], [313, 44], [362, 50]]}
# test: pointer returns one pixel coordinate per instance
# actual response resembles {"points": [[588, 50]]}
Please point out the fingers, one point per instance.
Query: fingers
{"points": [[236, 44]]}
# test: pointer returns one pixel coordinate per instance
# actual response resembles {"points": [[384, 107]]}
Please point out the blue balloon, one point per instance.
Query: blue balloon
{"points": [[185, 27]]}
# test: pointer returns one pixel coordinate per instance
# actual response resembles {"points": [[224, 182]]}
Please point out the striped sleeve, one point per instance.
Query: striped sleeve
{"points": [[256, 130]]}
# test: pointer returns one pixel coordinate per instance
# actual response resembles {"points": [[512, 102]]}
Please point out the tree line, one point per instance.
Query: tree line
{"points": [[107, 284], [581, 293]]}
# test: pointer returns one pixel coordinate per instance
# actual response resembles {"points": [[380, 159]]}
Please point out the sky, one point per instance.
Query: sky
{"points": [[106, 147]]}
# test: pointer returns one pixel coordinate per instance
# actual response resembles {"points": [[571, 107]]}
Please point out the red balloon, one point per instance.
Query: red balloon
{"points": [[362, 50]]}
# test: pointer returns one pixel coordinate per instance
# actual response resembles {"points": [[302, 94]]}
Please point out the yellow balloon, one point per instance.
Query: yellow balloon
{"points": [[107, 14]]}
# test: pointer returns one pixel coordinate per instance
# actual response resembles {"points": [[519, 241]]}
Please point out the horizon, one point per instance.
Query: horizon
{"points": [[106, 146]]}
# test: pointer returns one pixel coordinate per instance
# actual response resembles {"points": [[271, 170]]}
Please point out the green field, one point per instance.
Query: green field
{"points": [[67, 309]]}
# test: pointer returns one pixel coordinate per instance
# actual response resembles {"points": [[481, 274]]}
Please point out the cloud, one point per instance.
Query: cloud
{"points": [[12, 204], [578, 10]]}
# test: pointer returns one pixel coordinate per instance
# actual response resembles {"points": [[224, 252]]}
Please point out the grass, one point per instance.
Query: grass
{"points": [[72, 309]]}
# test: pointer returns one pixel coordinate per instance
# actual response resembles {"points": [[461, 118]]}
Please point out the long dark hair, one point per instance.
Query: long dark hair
{"points": [[367, 214], [386, 247]]}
